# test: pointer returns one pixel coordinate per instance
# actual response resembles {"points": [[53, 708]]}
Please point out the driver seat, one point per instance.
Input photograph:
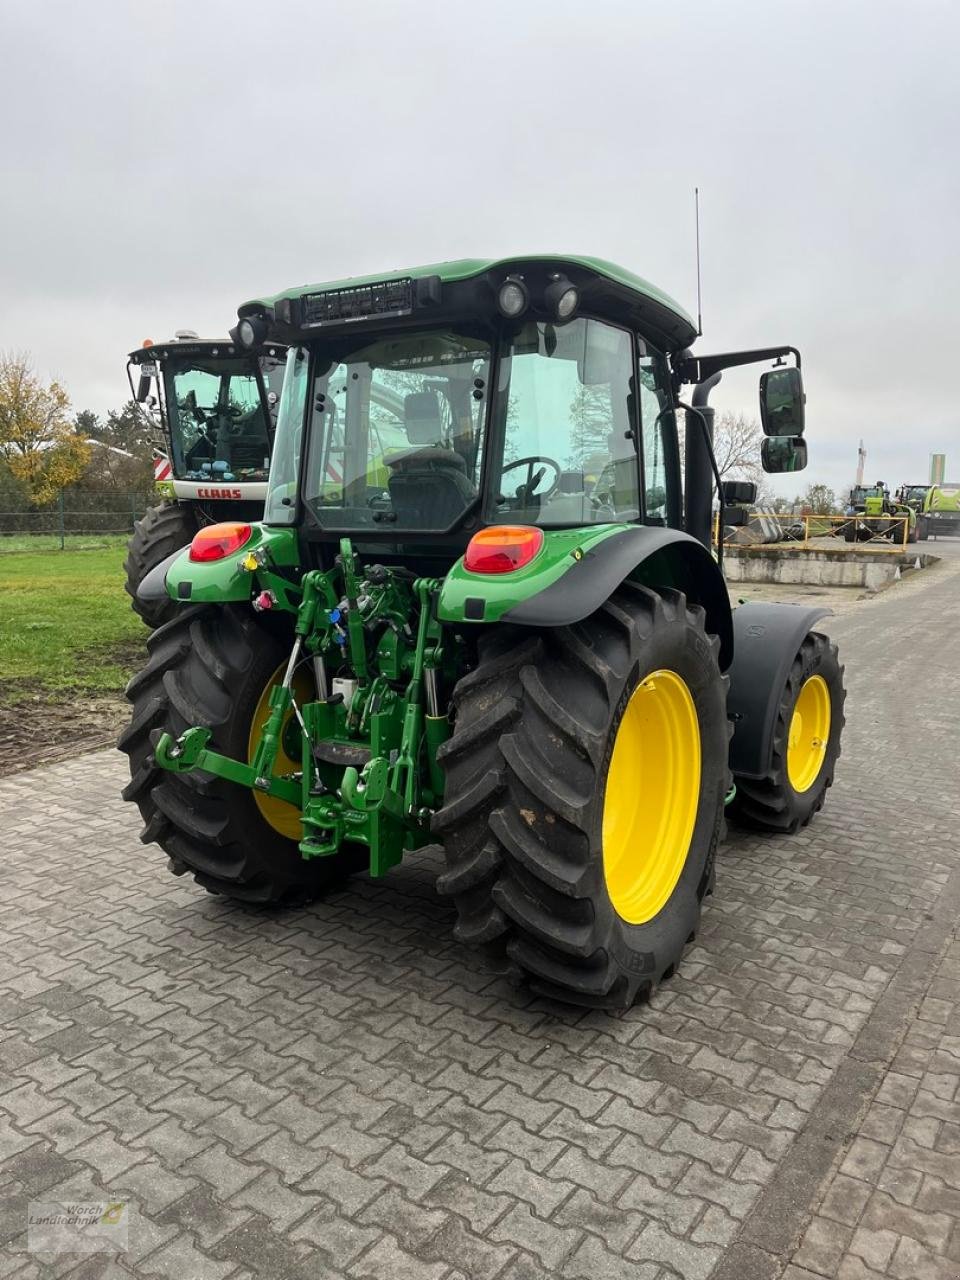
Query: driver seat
{"points": [[429, 486]]}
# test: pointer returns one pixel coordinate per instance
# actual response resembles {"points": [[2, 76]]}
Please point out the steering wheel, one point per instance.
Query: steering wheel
{"points": [[526, 491]]}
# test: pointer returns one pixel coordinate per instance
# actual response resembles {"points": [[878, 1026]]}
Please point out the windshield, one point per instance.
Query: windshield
{"points": [[396, 431], [218, 427], [564, 398]]}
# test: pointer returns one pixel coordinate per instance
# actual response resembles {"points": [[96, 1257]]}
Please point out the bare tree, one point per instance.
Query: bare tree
{"points": [[736, 444], [820, 500]]}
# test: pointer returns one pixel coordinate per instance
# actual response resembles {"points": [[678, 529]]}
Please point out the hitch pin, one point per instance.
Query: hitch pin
{"points": [[430, 689]]}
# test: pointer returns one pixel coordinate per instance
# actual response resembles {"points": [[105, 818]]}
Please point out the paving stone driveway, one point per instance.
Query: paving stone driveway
{"points": [[342, 1091]]}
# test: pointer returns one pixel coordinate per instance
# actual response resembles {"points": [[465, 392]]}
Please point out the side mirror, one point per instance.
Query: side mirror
{"points": [[739, 491], [781, 402], [146, 374], [783, 453]]}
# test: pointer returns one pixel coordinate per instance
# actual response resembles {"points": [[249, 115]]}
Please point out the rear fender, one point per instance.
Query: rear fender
{"points": [[578, 569], [222, 581], [766, 639]]}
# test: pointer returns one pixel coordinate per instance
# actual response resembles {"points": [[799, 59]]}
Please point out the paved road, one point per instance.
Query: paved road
{"points": [[342, 1091]]}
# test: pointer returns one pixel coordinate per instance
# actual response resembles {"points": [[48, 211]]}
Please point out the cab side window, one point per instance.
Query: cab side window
{"points": [[659, 433]]}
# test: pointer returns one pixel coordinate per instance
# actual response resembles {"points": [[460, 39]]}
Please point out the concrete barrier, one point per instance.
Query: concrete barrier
{"points": [[834, 568]]}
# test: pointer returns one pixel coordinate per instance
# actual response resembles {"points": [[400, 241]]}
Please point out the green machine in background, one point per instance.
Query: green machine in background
{"points": [[941, 511], [481, 618], [875, 515]]}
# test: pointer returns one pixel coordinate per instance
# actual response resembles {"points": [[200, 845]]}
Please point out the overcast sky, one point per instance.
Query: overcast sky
{"points": [[161, 164]]}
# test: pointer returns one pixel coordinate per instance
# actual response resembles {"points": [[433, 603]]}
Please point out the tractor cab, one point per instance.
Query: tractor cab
{"points": [[214, 406], [913, 495], [422, 407], [873, 500]]}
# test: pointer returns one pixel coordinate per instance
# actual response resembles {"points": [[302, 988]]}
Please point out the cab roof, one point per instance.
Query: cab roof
{"points": [[200, 347], [605, 288]]}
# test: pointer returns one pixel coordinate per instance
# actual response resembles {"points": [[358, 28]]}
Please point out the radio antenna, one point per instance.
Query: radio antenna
{"points": [[696, 207]]}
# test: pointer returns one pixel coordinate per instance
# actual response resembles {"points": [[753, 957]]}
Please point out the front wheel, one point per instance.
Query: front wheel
{"points": [[214, 666], [585, 785], [806, 744]]}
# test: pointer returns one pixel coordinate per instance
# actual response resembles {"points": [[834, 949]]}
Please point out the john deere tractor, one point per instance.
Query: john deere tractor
{"points": [[481, 617], [212, 406]]}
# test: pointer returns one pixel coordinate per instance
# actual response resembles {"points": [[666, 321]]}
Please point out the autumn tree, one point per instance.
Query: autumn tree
{"points": [[37, 438]]}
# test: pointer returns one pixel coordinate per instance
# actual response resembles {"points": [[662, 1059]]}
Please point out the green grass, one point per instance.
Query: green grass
{"points": [[16, 542], [66, 625]]}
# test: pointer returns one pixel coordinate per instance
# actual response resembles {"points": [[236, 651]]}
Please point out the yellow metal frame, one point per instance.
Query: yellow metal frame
{"points": [[652, 796], [822, 533]]}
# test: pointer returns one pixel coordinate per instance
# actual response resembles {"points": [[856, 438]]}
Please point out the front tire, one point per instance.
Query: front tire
{"points": [[161, 531], [210, 666], [802, 767], [549, 856]]}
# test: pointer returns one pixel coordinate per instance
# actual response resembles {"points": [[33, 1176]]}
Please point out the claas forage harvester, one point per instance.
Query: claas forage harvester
{"points": [[481, 616]]}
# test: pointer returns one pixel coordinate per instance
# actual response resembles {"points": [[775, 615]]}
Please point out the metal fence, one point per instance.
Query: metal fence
{"points": [[889, 533], [75, 514]]}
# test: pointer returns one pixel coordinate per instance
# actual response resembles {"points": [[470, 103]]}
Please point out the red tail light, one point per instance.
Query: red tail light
{"points": [[219, 540], [502, 548]]}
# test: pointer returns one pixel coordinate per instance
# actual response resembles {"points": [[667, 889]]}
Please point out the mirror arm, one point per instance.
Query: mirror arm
{"points": [[693, 368]]}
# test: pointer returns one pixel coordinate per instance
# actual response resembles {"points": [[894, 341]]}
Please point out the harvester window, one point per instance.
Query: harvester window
{"points": [[569, 456], [396, 432], [217, 422]]}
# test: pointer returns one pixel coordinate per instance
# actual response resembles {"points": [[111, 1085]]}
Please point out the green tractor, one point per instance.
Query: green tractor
{"points": [[212, 407], [481, 618], [874, 515], [914, 496]]}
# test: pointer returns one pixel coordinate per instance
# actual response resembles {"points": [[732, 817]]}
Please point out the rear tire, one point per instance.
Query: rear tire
{"points": [[526, 779], [773, 803], [161, 531], [209, 666]]}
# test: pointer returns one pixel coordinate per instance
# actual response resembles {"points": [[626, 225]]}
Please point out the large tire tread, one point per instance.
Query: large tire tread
{"points": [[524, 768], [770, 803], [205, 667], [157, 534]]}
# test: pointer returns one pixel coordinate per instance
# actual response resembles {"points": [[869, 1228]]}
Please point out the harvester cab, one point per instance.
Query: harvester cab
{"points": [[213, 406], [482, 615]]}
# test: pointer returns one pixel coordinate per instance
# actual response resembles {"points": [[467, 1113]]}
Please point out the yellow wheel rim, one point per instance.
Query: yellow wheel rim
{"points": [[809, 734], [651, 798], [282, 817]]}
